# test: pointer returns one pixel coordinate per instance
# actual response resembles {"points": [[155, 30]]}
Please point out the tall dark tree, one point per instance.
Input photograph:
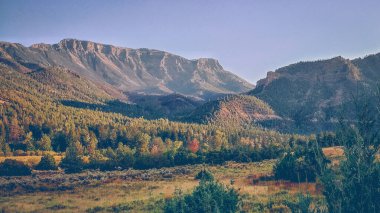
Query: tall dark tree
{"points": [[355, 185]]}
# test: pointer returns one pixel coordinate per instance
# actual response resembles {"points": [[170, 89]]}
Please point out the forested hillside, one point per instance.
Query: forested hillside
{"points": [[35, 116], [233, 111]]}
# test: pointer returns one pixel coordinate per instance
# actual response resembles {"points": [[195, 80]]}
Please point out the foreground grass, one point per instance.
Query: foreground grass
{"points": [[142, 191]]}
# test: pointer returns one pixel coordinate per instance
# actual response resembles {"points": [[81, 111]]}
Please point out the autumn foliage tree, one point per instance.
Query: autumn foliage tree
{"points": [[193, 145], [15, 130]]}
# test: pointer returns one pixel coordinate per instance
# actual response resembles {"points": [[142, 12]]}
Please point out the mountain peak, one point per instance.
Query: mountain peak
{"points": [[80, 45], [208, 62], [41, 46]]}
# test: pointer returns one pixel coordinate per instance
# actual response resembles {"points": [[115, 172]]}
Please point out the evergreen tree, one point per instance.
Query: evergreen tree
{"points": [[73, 162], [124, 156], [47, 163], [355, 185], [208, 197]]}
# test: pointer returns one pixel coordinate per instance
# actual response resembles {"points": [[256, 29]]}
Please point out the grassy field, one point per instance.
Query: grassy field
{"points": [[139, 191], [142, 191], [30, 160]]}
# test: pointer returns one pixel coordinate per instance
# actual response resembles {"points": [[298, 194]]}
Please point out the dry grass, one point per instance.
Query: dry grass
{"points": [[30, 160], [333, 152], [140, 195], [34, 160], [147, 195], [106, 195], [336, 154]]}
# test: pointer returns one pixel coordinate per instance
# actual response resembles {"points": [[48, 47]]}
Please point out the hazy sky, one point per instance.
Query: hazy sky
{"points": [[248, 37]]}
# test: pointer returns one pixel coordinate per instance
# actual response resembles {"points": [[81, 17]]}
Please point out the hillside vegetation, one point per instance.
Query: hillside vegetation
{"points": [[35, 117], [234, 111], [314, 95]]}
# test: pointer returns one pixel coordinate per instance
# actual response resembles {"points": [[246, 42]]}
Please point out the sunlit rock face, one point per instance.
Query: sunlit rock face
{"points": [[130, 70]]}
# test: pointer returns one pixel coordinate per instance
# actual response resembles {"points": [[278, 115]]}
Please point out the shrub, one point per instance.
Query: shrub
{"points": [[295, 169], [204, 175], [98, 161], [299, 165], [19, 153], [209, 196], [14, 168], [302, 203], [47, 163]]}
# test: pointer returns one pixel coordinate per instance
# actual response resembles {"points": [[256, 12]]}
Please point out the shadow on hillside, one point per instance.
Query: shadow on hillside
{"points": [[113, 106]]}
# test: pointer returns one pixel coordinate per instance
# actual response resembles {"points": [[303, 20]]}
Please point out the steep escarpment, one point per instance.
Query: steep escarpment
{"points": [[129, 70]]}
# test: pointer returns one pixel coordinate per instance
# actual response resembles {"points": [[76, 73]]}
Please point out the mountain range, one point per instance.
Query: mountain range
{"points": [[301, 97], [143, 71]]}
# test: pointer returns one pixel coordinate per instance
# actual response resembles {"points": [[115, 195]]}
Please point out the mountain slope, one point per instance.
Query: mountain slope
{"points": [[68, 85], [235, 110], [129, 70], [314, 92], [170, 106]]}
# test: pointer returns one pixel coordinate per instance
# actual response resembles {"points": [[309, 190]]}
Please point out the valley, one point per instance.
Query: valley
{"points": [[89, 127]]}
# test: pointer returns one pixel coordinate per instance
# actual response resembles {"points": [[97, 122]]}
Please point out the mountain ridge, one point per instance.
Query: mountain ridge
{"points": [[316, 92], [132, 70]]}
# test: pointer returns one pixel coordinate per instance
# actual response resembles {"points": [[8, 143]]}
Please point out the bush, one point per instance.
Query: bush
{"points": [[14, 168], [19, 153], [209, 196], [299, 165], [124, 157], [302, 203], [295, 169], [47, 163], [204, 175], [98, 161]]}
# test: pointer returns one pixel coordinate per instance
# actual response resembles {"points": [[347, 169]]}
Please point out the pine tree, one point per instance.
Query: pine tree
{"points": [[47, 163], [124, 156], [355, 185], [73, 162]]}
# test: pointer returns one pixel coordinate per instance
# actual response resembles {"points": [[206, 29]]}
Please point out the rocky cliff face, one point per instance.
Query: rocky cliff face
{"points": [[130, 70]]}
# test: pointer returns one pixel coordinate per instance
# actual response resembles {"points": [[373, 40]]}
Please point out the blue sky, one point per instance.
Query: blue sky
{"points": [[248, 37]]}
